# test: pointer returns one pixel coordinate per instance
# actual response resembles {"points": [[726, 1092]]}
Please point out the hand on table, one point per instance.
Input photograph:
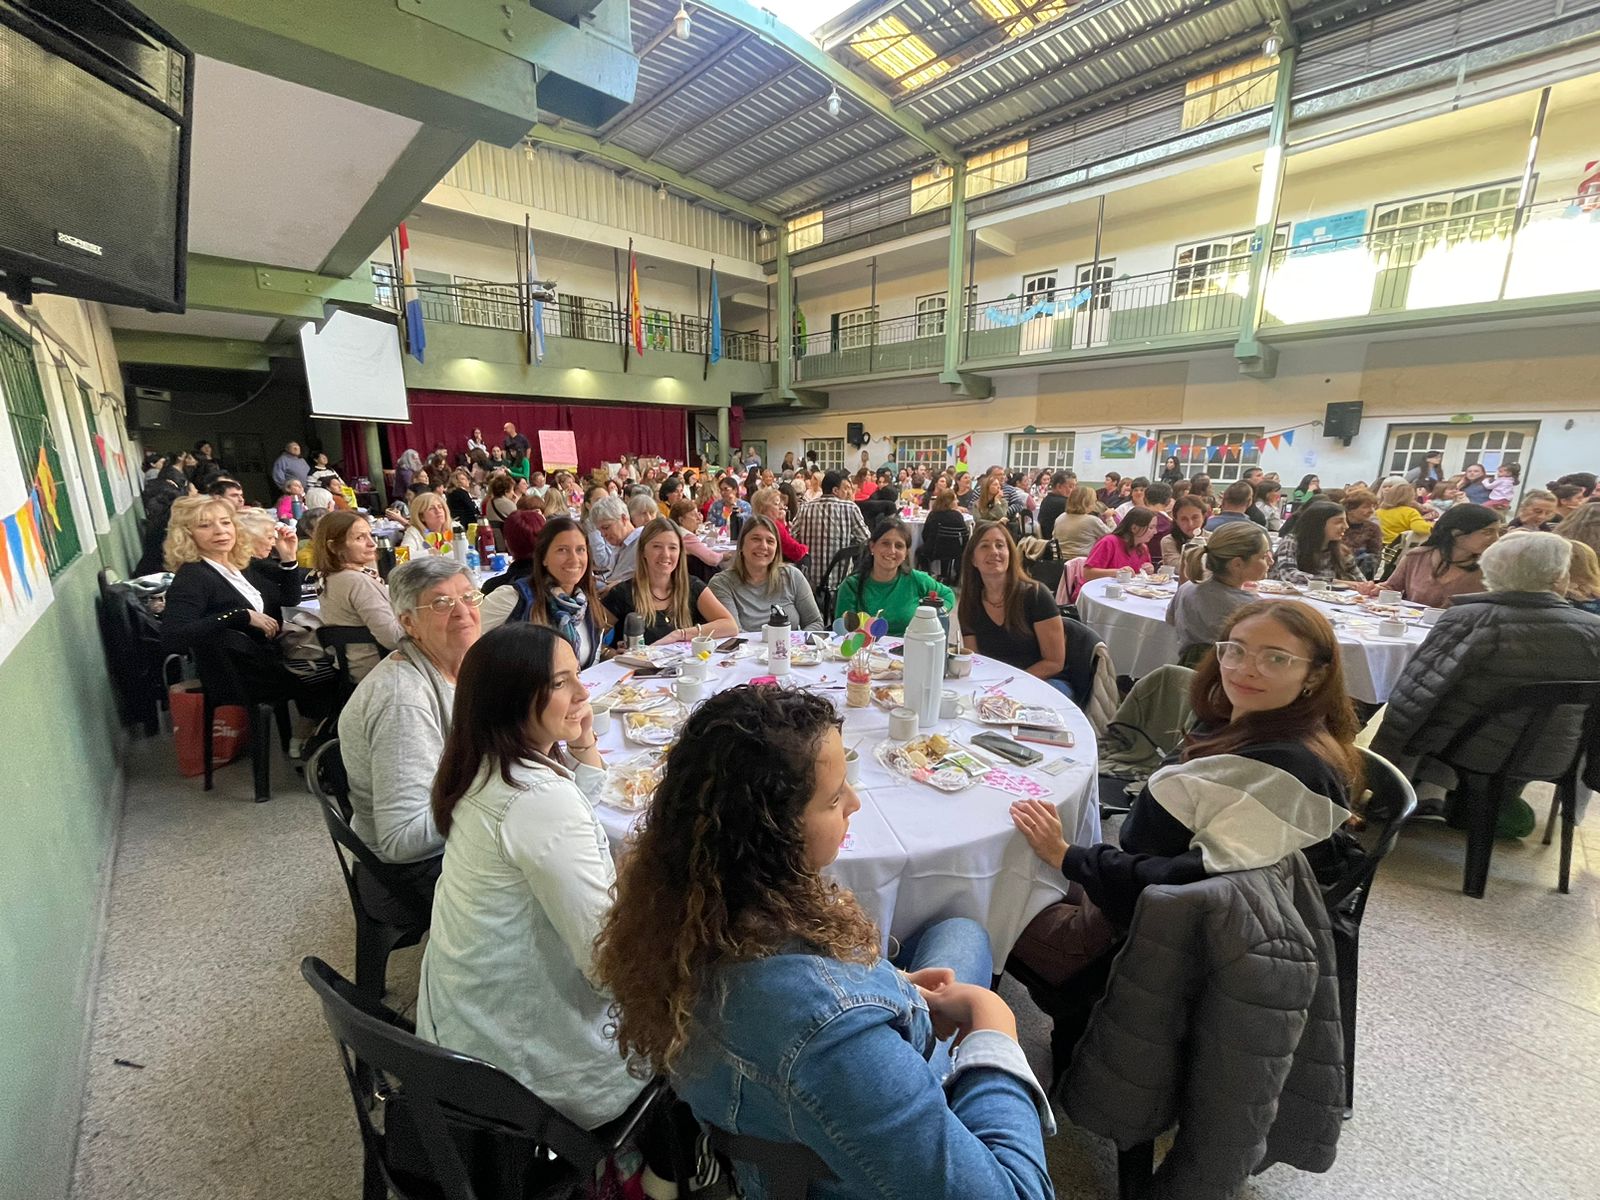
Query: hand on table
{"points": [[1041, 825], [1365, 588]]}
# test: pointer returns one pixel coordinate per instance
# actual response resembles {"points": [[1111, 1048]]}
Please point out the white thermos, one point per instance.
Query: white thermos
{"points": [[924, 669], [777, 633]]}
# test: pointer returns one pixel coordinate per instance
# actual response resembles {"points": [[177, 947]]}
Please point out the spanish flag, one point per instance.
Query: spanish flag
{"points": [[635, 308]]}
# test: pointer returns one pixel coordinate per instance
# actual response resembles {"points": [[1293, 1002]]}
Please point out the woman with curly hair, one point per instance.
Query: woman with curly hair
{"points": [[755, 983]]}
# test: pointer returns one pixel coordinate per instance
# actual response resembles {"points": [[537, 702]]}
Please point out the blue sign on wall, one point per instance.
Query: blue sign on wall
{"points": [[1322, 234]]}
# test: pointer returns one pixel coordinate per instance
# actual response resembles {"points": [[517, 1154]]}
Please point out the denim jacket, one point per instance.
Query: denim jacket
{"points": [[834, 1055]]}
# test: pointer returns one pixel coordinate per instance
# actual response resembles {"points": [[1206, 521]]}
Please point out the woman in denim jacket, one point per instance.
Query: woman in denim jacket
{"points": [[755, 983]]}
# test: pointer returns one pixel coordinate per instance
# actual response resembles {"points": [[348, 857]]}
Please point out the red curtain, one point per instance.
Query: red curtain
{"points": [[604, 433], [353, 451]]}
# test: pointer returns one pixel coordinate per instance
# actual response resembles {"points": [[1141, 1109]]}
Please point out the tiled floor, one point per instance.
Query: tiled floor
{"points": [[1479, 1067]]}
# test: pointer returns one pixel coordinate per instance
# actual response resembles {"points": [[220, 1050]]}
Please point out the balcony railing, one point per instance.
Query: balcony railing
{"points": [[500, 306], [896, 344], [1466, 258]]}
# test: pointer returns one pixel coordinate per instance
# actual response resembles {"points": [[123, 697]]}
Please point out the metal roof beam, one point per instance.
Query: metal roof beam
{"points": [[769, 29], [713, 118], [781, 120], [227, 285], [845, 26], [638, 112], [582, 143]]}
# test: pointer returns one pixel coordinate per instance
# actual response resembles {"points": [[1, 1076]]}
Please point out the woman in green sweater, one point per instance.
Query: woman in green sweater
{"points": [[886, 582]]}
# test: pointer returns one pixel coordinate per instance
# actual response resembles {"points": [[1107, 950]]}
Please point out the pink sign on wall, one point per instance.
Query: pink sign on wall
{"points": [[558, 449]]}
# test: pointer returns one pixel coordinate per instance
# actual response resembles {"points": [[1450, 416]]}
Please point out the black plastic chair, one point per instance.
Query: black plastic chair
{"points": [[450, 1102], [1537, 755], [1391, 805], [131, 637], [376, 936], [339, 639], [789, 1168], [843, 563], [221, 683], [1079, 672]]}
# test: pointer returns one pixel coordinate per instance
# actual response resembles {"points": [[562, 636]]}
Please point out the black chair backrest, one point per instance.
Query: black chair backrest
{"points": [[1389, 807], [1541, 702], [214, 663], [842, 564], [1080, 668], [339, 639], [788, 1168], [325, 772], [439, 1089]]}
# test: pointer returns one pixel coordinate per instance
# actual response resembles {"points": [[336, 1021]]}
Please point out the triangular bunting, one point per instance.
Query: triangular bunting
{"points": [[1288, 437], [18, 553], [1277, 441], [45, 481], [5, 570], [29, 519]]}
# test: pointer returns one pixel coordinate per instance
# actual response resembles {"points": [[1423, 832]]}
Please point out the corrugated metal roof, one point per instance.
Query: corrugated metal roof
{"points": [[738, 113]]}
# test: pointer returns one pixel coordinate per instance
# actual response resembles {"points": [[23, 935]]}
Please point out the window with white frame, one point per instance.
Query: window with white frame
{"points": [[386, 285], [481, 302], [828, 452], [1040, 451], [926, 450], [1411, 448], [1495, 448], [931, 311], [1235, 450], [997, 168], [1103, 273], [694, 333], [805, 231], [1229, 91], [1404, 228], [853, 329], [1216, 264]]}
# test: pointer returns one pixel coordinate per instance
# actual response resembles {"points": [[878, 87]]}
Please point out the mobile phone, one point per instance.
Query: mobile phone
{"points": [[1023, 756], [1048, 737], [653, 672], [730, 644]]}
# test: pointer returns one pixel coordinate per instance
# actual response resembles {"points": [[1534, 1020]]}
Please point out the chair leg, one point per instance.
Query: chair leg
{"points": [[1349, 953], [1483, 799], [261, 751], [1135, 1166], [281, 711], [373, 1186], [1567, 797], [208, 716], [374, 943], [1550, 821]]}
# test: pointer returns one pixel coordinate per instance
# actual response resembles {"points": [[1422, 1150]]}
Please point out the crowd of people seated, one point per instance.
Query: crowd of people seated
{"points": [[717, 952]]}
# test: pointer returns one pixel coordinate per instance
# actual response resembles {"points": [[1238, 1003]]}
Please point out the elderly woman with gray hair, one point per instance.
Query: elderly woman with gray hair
{"points": [[1522, 630], [392, 730]]}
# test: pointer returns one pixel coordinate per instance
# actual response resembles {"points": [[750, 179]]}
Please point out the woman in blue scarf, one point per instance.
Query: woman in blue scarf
{"points": [[558, 591]]}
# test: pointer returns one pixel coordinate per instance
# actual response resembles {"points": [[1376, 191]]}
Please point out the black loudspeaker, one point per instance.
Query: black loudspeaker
{"points": [[855, 433], [94, 200], [1342, 420]]}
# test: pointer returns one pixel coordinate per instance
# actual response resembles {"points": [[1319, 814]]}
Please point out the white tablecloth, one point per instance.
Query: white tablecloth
{"points": [[917, 854], [1140, 640]]}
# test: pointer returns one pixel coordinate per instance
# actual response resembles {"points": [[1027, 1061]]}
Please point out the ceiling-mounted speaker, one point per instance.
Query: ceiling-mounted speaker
{"points": [[856, 434], [1342, 420]]}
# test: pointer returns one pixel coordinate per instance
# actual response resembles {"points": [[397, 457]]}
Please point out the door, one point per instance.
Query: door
{"points": [[1038, 334], [1091, 324], [1461, 445]]}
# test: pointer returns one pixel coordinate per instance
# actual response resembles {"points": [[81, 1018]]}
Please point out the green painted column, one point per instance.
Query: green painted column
{"points": [[375, 463], [1254, 356], [723, 434], [785, 316], [955, 309]]}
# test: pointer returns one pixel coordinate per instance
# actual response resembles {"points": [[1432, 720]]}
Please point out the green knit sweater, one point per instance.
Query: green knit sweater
{"points": [[898, 600]]}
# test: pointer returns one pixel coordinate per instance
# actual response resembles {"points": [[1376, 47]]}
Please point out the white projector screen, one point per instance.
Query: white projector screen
{"points": [[353, 369]]}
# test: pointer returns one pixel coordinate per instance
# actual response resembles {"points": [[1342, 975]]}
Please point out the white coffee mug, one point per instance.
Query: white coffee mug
{"points": [[1389, 596], [902, 724], [694, 668], [852, 766], [702, 645], [689, 691], [949, 705], [1430, 616], [1113, 590], [602, 719], [1392, 627]]}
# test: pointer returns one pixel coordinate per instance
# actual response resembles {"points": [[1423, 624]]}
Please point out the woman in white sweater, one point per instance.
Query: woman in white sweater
{"points": [[344, 554], [508, 974]]}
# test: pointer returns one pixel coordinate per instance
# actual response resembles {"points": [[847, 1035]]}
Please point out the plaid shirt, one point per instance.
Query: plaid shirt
{"points": [[827, 525]]}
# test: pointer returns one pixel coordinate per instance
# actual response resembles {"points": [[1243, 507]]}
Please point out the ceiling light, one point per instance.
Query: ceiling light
{"points": [[833, 103], [1271, 46], [681, 24], [661, 192], [527, 151]]}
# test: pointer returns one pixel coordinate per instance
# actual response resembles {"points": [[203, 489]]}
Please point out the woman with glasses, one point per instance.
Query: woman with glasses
{"points": [[674, 606], [392, 730], [1268, 768]]}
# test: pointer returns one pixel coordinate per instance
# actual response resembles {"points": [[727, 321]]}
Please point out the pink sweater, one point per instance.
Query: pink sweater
{"points": [[1110, 554]]}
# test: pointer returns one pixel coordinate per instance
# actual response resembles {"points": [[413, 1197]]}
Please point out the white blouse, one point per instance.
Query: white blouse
{"points": [[243, 586]]}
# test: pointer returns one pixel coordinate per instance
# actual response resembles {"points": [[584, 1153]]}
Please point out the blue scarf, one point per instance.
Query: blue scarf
{"points": [[570, 616]]}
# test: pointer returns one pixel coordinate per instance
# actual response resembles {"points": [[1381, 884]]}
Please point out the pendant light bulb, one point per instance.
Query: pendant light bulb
{"points": [[681, 24], [833, 103]]}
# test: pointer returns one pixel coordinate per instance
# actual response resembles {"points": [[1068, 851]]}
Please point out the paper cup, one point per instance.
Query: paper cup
{"points": [[602, 719], [852, 767], [689, 691], [902, 724]]}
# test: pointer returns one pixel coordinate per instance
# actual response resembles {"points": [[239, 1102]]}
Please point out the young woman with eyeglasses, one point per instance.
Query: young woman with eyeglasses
{"points": [[1269, 768]]}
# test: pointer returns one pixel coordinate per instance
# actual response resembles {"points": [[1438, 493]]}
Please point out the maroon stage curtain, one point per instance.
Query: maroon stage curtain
{"points": [[353, 451], [604, 433]]}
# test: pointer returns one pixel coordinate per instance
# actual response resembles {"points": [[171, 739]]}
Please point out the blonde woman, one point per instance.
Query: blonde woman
{"points": [[211, 593], [555, 504], [1583, 578], [673, 606], [344, 554], [1078, 529], [429, 514], [1232, 558], [770, 502], [991, 505], [757, 580], [1398, 513]]}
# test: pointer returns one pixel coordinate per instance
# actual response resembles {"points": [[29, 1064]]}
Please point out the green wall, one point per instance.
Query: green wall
{"points": [[62, 803]]}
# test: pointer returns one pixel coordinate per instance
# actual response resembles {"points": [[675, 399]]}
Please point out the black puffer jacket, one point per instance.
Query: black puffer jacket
{"points": [[1486, 644]]}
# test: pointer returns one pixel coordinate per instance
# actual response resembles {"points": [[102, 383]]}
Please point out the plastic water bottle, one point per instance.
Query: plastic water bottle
{"points": [[472, 559], [924, 667], [777, 634]]}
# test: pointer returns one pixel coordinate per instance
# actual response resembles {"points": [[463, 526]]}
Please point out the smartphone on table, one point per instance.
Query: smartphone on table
{"points": [[1016, 752]]}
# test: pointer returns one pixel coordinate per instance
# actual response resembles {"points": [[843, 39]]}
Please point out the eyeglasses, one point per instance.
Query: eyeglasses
{"points": [[443, 604], [1268, 662]]}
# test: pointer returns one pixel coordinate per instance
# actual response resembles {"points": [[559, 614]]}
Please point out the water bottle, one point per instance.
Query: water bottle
{"points": [[924, 665], [777, 633], [632, 633], [473, 560], [458, 542], [385, 555]]}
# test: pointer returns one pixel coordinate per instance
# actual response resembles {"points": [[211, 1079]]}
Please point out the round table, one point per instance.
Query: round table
{"points": [[914, 524], [1139, 639], [915, 854]]}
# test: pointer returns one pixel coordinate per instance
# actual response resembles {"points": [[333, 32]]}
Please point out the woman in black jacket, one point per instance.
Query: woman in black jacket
{"points": [[463, 509], [215, 588], [1268, 769]]}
